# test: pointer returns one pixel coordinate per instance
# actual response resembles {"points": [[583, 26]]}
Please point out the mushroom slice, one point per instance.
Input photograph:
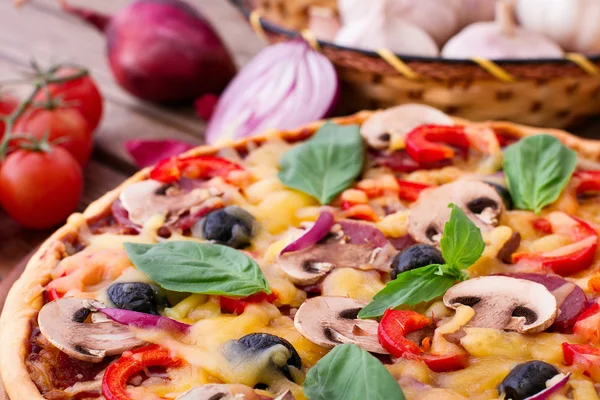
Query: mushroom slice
{"points": [[480, 202], [502, 302], [144, 199], [390, 126], [306, 267], [62, 323], [329, 320], [219, 392], [287, 395]]}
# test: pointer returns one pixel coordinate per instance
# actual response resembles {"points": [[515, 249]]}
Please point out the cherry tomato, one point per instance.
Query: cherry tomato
{"points": [[40, 189], [8, 104], [66, 126], [82, 92]]}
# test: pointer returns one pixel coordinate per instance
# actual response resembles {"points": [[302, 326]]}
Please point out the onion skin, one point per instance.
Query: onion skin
{"points": [[163, 51]]}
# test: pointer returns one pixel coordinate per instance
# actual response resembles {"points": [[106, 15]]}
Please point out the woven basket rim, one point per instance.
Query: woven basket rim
{"points": [[278, 29]]}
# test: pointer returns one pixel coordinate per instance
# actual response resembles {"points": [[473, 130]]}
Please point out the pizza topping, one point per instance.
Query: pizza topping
{"points": [[479, 201], [569, 259], [220, 392], [329, 321], [527, 379], [503, 192], [62, 322], [393, 328], [502, 302], [326, 164], [198, 167], [131, 362], [134, 296], [270, 357], [230, 226], [570, 298], [429, 143], [537, 170], [145, 199], [311, 236], [584, 357], [388, 128], [416, 256], [586, 181], [139, 320], [308, 266], [587, 325]]}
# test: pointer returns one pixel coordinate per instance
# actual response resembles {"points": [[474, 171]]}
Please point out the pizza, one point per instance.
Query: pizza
{"points": [[397, 254]]}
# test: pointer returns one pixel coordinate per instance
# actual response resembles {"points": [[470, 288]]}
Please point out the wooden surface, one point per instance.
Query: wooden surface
{"points": [[42, 32]]}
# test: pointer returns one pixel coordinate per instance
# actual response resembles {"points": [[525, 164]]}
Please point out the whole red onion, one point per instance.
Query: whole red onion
{"points": [[162, 50]]}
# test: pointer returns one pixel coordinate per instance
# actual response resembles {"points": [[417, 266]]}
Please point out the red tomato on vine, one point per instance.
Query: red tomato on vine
{"points": [[40, 188], [65, 127], [81, 94]]}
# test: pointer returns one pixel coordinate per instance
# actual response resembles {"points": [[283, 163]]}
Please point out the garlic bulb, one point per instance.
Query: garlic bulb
{"points": [[470, 11], [573, 24], [500, 39], [377, 28]]}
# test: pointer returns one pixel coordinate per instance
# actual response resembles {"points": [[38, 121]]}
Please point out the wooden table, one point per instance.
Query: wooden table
{"points": [[42, 32]]}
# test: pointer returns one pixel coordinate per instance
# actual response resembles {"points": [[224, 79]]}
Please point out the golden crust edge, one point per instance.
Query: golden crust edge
{"points": [[21, 306]]}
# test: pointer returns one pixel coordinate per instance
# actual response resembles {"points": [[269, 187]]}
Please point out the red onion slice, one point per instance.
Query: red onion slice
{"points": [[285, 86], [362, 232], [546, 393], [143, 320], [312, 236]]}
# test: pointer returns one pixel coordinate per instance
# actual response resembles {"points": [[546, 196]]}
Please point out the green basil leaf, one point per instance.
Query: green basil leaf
{"points": [[325, 165], [350, 373], [537, 170], [410, 288], [462, 243], [198, 268]]}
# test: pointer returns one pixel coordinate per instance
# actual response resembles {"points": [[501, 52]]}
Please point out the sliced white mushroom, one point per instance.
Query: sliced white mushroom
{"points": [[219, 392], [328, 321], [145, 199], [62, 322], [385, 127], [308, 266], [502, 302], [287, 395], [480, 202]]}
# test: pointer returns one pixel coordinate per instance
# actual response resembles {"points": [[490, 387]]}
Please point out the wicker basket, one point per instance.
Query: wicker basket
{"points": [[544, 92]]}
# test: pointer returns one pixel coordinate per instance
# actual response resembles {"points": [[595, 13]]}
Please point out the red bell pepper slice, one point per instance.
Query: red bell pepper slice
{"points": [[571, 258], [238, 305], [587, 325], [424, 143], [586, 181], [394, 325], [362, 212], [131, 362], [201, 167], [411, 190], [446, 362], [53, 294], [584, 357]]}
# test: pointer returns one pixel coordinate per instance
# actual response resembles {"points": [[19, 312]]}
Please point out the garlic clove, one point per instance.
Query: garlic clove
{"points": [[323, 23], [470, 11], [500, 39], [437, 18], [377, 28]]}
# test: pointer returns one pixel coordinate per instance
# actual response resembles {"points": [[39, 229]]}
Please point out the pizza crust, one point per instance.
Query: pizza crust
{"points": [[25, 299]]}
